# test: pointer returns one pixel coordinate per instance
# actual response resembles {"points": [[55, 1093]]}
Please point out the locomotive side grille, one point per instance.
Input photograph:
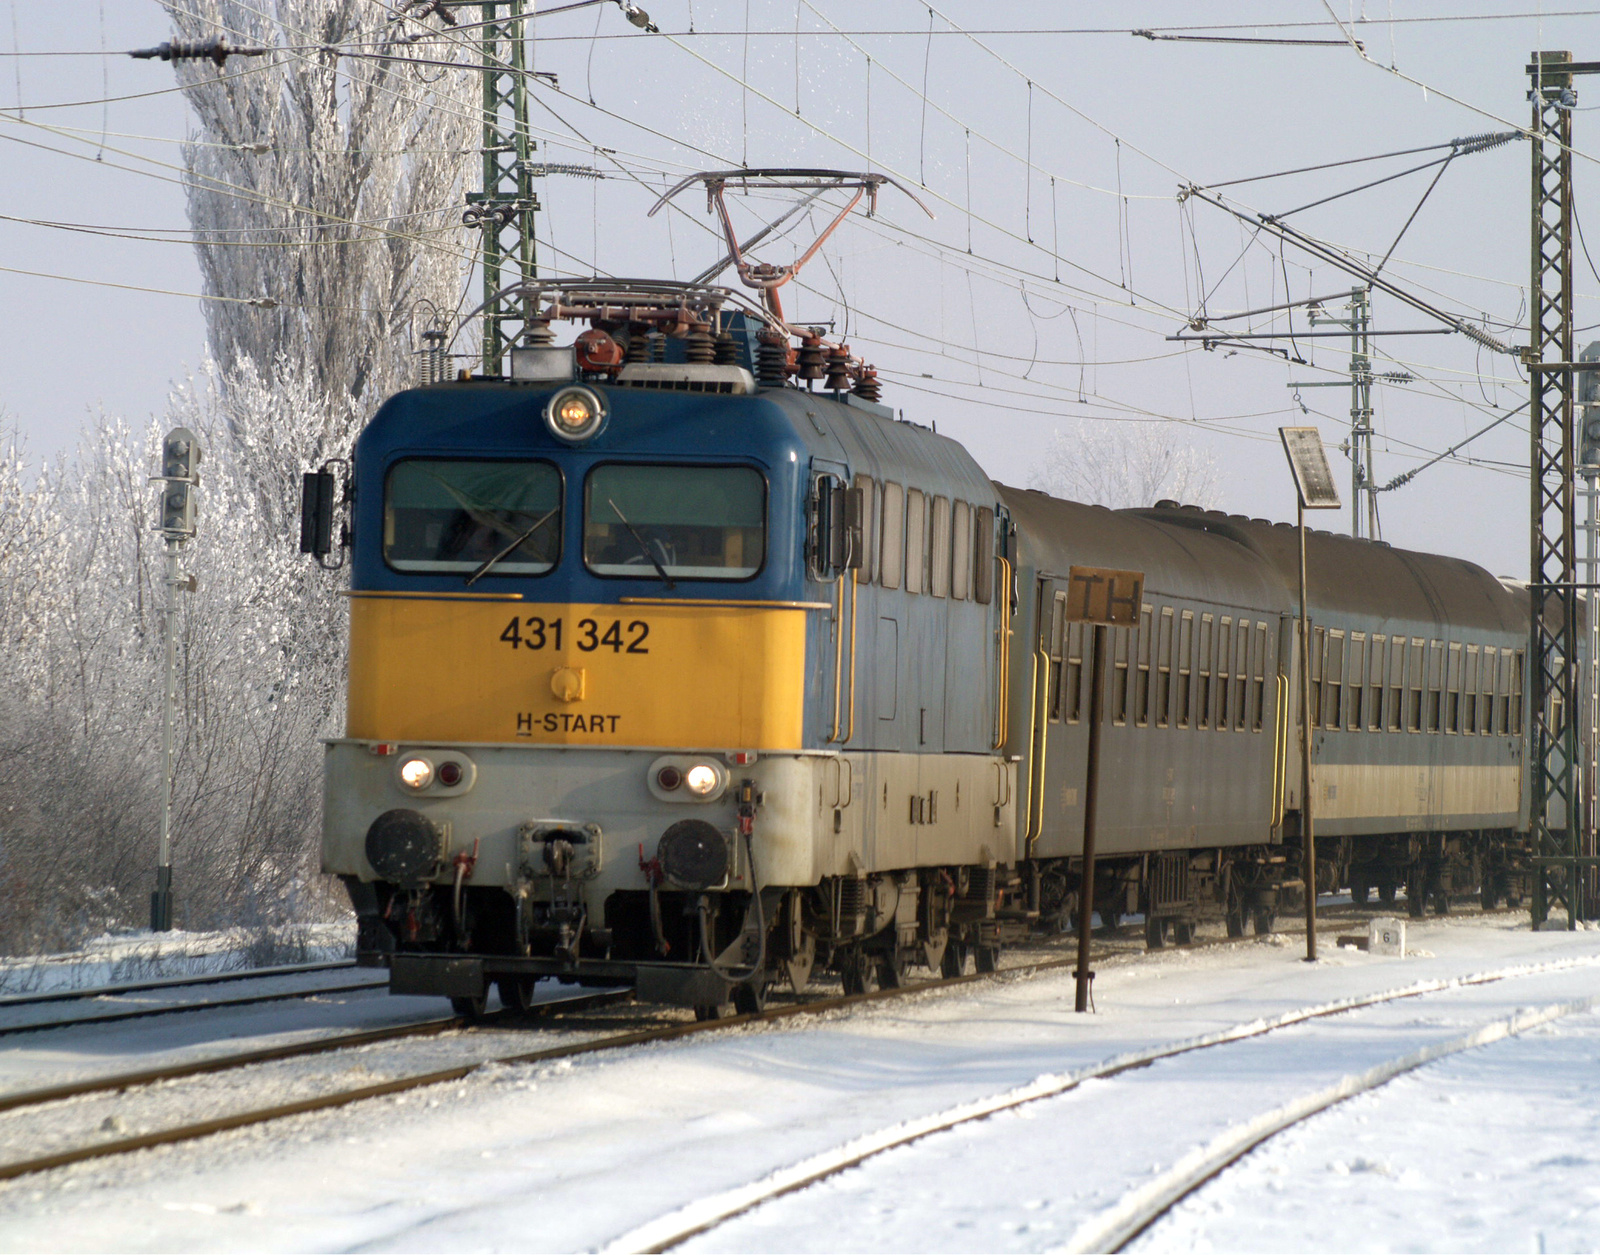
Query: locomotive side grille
{"points": [[1169, 880]]}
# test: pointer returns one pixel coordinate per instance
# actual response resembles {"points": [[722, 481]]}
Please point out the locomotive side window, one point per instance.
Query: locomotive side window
{"points": [[939, 548], [691, 522], [1435, 683], [1203, 683], [1164, 670], [961, 552], [983, 557], [1375, 688], [869, 528], [1185, 666], [893, 535], [454, 516], [1414, 684], [916, 541], [1355, 676], [1141, 691]]}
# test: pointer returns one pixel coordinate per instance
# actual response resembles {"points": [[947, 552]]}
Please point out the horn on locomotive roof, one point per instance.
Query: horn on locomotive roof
{"points": [[764, 276]]}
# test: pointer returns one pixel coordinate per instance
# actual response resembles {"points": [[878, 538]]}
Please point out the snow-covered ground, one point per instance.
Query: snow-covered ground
{"points": [[578, 1154]]}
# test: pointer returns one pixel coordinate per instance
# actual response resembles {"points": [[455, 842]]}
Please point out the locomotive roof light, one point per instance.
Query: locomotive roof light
{"points": [[416, 774], [575, 414]]}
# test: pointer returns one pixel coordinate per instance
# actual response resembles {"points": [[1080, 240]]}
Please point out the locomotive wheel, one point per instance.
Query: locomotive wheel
{"points": [[798, 966], [859, 972], [954, 961], [708, 1011], [750, 998], [1236, 922], [470, 1009], [516, 993], [986, 958], [1359, 889], [1416, 895], [1386, 889], [1155, 932], [1183, 932], [891, 970], [1264, 918]]}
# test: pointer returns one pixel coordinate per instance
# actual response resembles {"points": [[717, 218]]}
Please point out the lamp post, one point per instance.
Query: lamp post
{"points": [[179, 478], [1315, 490]]}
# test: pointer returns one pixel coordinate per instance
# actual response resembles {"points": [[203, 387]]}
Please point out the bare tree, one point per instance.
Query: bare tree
{"points": [[1127, 465]]}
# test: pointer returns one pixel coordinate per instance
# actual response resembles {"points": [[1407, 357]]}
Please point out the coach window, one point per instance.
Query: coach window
{"points": [[916, 541], [869, 529], [1435, 684], [1452, 688], [1319, 647], [983, 557], [1258, 679], [1122, 639], [1164, 670], [1469, 691], [1514, 706], [1397, 683], [1203, 665], [1072, 674], [1355, 674], [1141, 683], [939, 549], [691, 522], [1332, 679], [1414, 664], [1486, 703], [1224, 671], [892, 533], [1054, 648], [961, 552], [1241, 676], [1375, 688], [1185, 666], [460, 517]]}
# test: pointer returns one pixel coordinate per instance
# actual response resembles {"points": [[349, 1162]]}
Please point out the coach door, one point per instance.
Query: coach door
{"points": [[1063, 658]]}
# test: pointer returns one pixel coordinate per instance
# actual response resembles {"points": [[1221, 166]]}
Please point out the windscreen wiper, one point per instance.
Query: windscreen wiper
{"points": [[484, 569], [643, 547]]}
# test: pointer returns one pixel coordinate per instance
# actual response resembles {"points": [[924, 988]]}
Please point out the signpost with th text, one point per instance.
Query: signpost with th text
{"points": [[1104, 598], [1314, 486]]}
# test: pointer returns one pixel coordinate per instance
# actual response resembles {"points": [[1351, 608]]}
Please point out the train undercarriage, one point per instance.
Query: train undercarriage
{"points": [[711, 950]]}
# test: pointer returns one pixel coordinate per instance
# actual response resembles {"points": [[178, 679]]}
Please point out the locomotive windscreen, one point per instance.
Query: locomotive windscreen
{"points": [[457, 515], [693, 522]]}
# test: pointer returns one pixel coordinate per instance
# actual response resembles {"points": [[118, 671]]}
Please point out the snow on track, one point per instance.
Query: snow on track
{"points": [[565, 1157]]}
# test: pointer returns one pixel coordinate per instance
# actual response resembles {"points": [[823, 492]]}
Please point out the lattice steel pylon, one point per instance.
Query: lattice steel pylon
{"points": [[504, 209], [1553, 695]]}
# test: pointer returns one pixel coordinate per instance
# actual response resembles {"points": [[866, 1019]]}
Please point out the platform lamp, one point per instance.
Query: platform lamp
{"points": [[179, 480], [1315, 489]]}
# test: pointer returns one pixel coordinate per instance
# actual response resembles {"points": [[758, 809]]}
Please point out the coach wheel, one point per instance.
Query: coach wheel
{"points": [[470, 1009], [1416, 895], [516, 993], [1360, 887], [986, 958], [954, 961], [1386, 888], [1264, 918]]}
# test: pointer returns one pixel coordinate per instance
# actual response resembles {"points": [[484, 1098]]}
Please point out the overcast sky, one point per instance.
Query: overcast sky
{"points": [[1040, 295]]}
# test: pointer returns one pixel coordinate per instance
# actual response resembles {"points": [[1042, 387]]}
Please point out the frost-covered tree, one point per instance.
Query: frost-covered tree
{"points": [[1127, 465]]}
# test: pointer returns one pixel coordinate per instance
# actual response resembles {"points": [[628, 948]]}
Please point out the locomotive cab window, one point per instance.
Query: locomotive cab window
{"points": [[688, 522], [447, 516]]}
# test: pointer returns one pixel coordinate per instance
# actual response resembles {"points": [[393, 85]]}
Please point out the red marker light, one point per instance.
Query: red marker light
{"points": [[450, 774], [669, 778]]}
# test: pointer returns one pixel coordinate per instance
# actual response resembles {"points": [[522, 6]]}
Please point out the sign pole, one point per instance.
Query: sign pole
{"points": [[1314, 490], [1091, 798]]}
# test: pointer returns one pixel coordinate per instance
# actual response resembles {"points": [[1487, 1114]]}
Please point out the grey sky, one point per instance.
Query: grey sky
{"points": [[1105, 113]]}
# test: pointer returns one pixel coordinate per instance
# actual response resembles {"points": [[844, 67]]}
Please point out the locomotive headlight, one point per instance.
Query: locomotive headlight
{"points": [[416, 773], [701, 779], [575, 413]]}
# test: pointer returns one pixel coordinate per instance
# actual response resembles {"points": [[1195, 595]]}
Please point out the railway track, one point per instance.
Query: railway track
{"points": [[170, 982], [1137, 1211], [112, 1013]]}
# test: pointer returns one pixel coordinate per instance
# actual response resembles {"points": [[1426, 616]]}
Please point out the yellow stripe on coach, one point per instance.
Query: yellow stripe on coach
{"points": [[466, 669]]}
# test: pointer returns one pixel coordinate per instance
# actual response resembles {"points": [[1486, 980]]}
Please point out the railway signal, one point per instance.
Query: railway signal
{"points": [[1315, 490], [180, 481]]}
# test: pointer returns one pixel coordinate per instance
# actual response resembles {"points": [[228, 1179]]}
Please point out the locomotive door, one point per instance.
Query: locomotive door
{"points": [[1058, 759]]}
